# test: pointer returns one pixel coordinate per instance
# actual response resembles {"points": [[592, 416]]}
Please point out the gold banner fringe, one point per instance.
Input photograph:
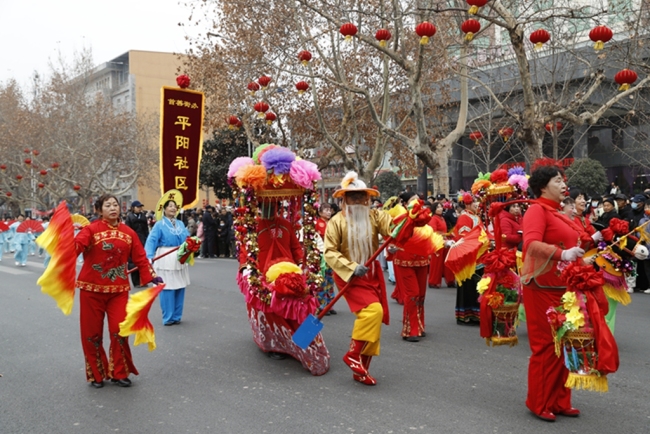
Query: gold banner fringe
{"points": [[594, 383], [510, 341], [620, 295]]}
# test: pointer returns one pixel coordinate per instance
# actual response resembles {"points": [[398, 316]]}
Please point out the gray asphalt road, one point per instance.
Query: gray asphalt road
{"points": [[207, 375]]}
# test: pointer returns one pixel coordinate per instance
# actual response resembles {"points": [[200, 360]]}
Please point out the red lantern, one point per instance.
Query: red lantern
{"points": [[19, 177], [8, 194], [43, 172], [539, 38], [382, 36], [304, 56], [253, 87], [232, 122], [558, 126], [475, 5], [264, 81], [348, 30], [55, 165], [41, 185], [261, 108], [183, 81], [476, 136], [76, 187], [302, 86], [270, 117], [506, 133], [239, 124], [425, 30], [28, 161], [600, 35], [470, 28], [625, 78], [3, 167], [35, 152]]}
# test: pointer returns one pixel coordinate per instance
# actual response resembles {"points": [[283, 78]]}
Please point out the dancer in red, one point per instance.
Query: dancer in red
{"points": [[437, 266], [107, 244]]}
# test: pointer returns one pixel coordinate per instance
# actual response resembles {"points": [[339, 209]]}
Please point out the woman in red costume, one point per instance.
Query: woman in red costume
{"points": [[510, 225], [551, 239], [106, 245], [580, 205], [437, 267]]}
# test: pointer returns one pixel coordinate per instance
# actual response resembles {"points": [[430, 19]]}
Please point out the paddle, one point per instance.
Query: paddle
{"points": [[312, 325]]}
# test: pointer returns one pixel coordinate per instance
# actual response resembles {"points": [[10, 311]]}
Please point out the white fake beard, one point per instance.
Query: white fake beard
{"points": [[359, 232]]}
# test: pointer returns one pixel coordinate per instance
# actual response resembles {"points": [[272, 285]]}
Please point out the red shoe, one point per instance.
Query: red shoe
{"points": [[570, 412], [547, 416], [353, 358], [368, 380]]}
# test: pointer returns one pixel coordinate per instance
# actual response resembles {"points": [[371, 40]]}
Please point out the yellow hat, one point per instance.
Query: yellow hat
{"points": [[350, 183], [174, 195]]}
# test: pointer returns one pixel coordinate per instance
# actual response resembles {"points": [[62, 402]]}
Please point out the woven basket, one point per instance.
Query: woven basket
{"points": [[504, 327]]}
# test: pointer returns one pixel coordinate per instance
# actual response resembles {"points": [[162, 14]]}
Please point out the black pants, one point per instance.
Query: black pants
{"points": [[209, 241]]}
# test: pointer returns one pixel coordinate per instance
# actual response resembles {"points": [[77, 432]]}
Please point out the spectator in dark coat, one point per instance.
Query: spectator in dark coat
{"points": [[624, 210], [137, 220], [609, 212], [637, 206], [209, 233]]}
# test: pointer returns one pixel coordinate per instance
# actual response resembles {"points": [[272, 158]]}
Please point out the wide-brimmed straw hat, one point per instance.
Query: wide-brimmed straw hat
{"points": [[352, 183], [174, 195]]}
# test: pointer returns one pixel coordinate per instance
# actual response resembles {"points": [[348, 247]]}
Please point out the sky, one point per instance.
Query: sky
{"points": [[34, 31]]}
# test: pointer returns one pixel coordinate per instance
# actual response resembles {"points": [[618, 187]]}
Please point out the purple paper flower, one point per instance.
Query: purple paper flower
{"points": [[279, 160]]}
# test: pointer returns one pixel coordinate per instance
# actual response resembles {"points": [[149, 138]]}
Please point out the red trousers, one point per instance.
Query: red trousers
{"points": [[413, 285], [437, 269], [546, 372], [93, 307]]}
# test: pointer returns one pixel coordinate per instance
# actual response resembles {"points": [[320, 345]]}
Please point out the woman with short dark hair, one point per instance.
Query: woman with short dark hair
{"points": [[106, 245]]}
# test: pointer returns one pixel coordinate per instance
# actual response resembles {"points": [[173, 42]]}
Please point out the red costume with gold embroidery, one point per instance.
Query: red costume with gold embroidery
{"points": [[437, 265], [104, 287], [411, 275]]}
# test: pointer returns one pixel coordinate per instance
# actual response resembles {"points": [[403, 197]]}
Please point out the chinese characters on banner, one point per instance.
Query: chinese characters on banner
{"points": [[181, 142]]}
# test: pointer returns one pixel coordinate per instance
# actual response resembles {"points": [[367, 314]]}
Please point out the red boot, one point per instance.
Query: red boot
{"points": [[353, 358], [367, 379]]}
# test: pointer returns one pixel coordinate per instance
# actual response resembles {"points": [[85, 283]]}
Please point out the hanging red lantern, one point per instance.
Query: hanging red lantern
{"points": [[3, 167], [470, 28], [625, 78], [8, 194], [539, 38], [41, 185], [304, 56], [600, 35], [55, 165], [425, 30], [270, 117], [253, 87], [476, 136], [558, 126], [475, 5], [383, 36], [28, 161], [264, 81], [43, 172], [183, 81], [239, 124], [76, 187], [232, 122], [506, 133], [35, 152], [348, 30], [261, 108], [19, 177], [302, 87]]}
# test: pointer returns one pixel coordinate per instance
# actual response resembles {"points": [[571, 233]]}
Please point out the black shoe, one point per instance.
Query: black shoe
{"points": [[276, 356], [411, 338], [333, 312], [423, 335], [125, 382], [328, 313], [97, 384], [169, 323]]}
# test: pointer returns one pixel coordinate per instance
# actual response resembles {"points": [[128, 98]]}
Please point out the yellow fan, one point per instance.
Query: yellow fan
{"points": [[79, 220]]}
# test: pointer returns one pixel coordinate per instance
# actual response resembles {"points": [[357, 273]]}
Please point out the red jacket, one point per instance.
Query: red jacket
{"points": [[277, 241], [106, 250], [438, 224], [509, 228]]}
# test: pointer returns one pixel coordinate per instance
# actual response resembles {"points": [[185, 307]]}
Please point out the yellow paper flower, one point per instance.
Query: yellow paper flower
{"points": [[569, 300], [483, 284], [576, 317]]}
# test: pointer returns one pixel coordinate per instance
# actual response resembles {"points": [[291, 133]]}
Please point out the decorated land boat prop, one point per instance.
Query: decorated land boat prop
{"points": [[581, 336], [278, 298]]}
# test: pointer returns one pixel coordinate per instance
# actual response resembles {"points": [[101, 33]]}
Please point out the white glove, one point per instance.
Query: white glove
{"points": [[361, 270], [597, 237], [572, 254], [392, 249], [641, 252], [449, 243]]}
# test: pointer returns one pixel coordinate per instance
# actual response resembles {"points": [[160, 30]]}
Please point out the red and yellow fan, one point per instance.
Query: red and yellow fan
{"points": [[30, 226], [4, 227], [464, 254], [79, 221], [137, 321]]}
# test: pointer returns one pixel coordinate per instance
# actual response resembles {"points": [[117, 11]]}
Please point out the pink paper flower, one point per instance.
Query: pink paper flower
{"points": [[304, 173], [237, 163]]}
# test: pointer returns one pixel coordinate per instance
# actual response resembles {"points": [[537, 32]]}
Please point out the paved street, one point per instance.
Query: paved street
{"points": [[208, 376]]}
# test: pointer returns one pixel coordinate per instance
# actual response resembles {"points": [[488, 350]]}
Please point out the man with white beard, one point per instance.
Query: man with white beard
{"points": [[351, 238]]}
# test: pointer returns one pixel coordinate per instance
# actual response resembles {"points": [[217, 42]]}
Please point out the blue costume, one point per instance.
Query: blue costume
{"points": [[165, 235], [20, 243]]}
